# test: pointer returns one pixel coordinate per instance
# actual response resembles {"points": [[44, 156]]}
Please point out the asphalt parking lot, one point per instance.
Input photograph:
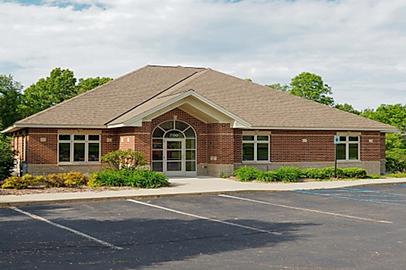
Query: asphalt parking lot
{"points": [[347, 228]]}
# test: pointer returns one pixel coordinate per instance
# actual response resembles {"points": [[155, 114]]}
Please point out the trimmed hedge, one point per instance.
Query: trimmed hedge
{"points": [[133, 178], [292, 174]]}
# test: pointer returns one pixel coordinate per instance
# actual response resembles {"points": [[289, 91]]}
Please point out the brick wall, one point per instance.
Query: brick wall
{"points": [[220, 138], [42, 146], [371, 146]]}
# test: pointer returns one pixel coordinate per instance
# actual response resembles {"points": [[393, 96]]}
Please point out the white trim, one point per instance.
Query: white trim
{"points": [[137, 120], [394, 130]]}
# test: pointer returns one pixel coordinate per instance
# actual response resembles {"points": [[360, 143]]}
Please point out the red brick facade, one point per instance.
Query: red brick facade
{"points": [[217, 143]]}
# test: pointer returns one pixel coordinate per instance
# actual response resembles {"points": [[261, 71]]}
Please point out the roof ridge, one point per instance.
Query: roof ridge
{"points": [[154, 96]]}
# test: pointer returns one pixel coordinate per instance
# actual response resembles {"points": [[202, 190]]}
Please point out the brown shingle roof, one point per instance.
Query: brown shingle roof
{"points": [[150, 86]]}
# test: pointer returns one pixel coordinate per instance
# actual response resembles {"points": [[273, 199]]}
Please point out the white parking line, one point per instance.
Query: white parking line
{"points": [[206, 218], [66, 228], [306, 209]]}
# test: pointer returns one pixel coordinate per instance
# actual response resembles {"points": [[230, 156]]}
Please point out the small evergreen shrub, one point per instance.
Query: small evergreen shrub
{"points": [[125, 160], [355, 173], [246, 174], [223, 175], [289, 174], [271, 176]]}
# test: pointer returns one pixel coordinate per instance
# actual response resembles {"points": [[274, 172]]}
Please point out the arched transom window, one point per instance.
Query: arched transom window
{"points": [[174, 148]]}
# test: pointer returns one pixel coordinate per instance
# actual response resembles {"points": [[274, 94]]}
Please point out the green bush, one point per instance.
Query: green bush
{"points": [[246, 174], [311, 173], [271, 176], [397, 175], [133, 178], [6, 157], [129, 159], [328, 172], [396, 160], [289, 174], [354, 173]]}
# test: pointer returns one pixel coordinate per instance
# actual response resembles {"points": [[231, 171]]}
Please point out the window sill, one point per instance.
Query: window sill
{"points": [[79, 163], [348, 160], [257, 162]]}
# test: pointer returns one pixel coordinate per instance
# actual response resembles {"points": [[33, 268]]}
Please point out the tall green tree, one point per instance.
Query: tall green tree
{"points": [[59, 86], [347, 108], [312, 87], [278, 86], [10, 99], [394, 115], [85, 85]]}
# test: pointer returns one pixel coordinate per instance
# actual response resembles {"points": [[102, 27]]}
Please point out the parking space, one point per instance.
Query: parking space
{"points": [[320, 229]]}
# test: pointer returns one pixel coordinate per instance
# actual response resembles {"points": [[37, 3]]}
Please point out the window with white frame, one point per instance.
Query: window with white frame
{"points": [[255, 148], [78, 148], [348, 148]]}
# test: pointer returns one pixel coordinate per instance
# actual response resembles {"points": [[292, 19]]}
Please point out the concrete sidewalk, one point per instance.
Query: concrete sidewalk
{"points": [[184, 187]]}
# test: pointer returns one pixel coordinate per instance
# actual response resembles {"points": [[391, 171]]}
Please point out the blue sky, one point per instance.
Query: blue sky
{"points": [[358, 47]]}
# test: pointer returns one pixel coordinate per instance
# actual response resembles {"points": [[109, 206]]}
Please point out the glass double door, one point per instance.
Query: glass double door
{"points": [[174, 156]]}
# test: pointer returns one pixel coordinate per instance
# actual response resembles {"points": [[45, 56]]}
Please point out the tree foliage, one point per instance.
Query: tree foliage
{"points": [[10, 98], [312, 87], [347, 108], [6, 157], [394, 115], [278, 86], [59, 86]]}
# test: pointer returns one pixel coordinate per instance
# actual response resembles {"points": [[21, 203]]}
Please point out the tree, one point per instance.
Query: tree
{"points": [[10, 98], [6, 157], [278, 86], [312, 87], [394, 115], [347, 108], [59, 86], [85, 85]]}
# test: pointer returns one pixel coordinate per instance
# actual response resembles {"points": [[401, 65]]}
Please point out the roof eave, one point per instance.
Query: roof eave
{"points": [[384, 130], [17, 127]]}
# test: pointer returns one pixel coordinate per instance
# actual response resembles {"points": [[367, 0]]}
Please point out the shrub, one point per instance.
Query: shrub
{"points": [[223, 175], [20, 182], [328, 172], [311, 173], [271, 176], [133, 178], [355, 173], [6, 157], [246, 174], [55, 181], [128, 159], [396, 160], [289, 174], [397, 175]]}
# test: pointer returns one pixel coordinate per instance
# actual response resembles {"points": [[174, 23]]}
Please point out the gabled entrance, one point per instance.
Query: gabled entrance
{"points": [[174, 149]]}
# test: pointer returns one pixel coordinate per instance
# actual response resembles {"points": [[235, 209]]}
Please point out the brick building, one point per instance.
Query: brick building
{"points": [[195, 121]]}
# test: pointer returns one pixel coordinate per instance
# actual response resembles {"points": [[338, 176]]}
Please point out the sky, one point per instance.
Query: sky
{"points": [[358, 47]]}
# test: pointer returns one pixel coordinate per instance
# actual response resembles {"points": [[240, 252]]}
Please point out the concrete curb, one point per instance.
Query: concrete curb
{"points": [[203, 186]]}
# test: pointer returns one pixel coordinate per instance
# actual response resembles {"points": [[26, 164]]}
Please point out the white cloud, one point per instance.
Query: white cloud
{"points": [[356, 46]]}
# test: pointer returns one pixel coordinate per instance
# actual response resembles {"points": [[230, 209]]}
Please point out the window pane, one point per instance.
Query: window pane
{"points": [[248, 151], [157, 155], [79, 137], [341, 151], [79, 152], [167, 125], [353, 139], [64, 152], [94, 152], [64, 137], [158, 166], [94, 137], [190, 144], [173, 145], [353, 151], [158, 133], [157, 144], [174, 166], [248, 138], [343, 138], [190, 155], [173, 155], [262, 138], [262, 151], [190, 166], [190, 133], [180, 125], [174, 134]]}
